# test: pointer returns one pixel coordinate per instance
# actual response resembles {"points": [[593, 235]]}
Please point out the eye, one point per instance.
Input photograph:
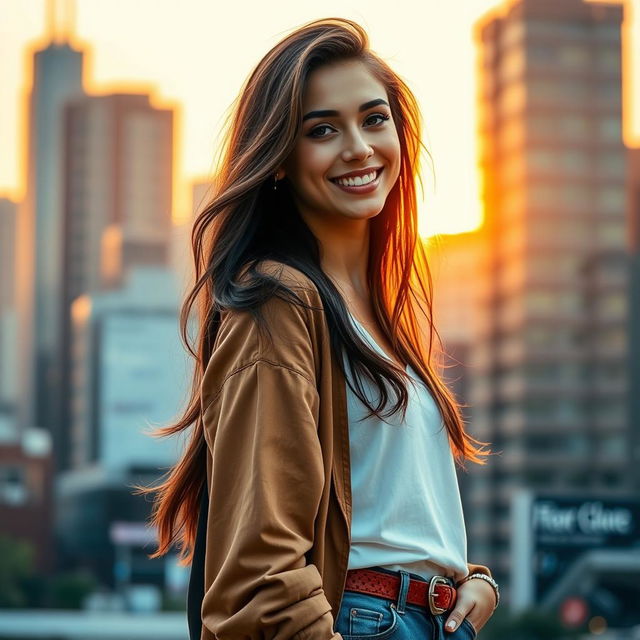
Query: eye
{"points": [[314, 132], [378, 115]]}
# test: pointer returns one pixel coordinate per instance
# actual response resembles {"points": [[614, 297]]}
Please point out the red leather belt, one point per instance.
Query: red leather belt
{"points": [[437, 595]]}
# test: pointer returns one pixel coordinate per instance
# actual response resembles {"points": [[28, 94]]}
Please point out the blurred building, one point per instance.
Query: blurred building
{"points": [[454, 261], [8, 220], [57, 77], [201, 192], [129, 376], [181, 253], [25, 454], [633, 204], [8, 324], [550, 383], [118, 189], [117, 209], [26, 496]]}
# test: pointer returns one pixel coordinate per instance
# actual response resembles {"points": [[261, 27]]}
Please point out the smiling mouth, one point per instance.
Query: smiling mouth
{"points": [[354, 184]]}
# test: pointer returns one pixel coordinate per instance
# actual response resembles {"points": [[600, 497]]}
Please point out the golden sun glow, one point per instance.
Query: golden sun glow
{"points": [[192, 61]]}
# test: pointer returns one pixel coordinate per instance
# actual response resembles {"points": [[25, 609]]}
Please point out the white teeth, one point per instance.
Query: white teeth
{"points": [[358, 180]]}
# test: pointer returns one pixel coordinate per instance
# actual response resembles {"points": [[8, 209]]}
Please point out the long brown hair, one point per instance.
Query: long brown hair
{"points": [[246, 221]]}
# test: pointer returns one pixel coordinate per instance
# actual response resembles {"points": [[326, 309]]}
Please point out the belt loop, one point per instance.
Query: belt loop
{"points": [[404, 591]]}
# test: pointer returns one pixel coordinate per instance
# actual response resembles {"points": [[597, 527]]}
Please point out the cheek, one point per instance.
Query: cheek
{"points": [[313, 163], [392, 146], [392, 151]]}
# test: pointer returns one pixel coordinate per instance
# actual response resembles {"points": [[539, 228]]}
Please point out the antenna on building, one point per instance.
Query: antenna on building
{"points": [[60, 20]]}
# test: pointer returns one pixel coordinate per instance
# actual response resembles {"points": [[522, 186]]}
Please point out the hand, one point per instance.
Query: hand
{"points": [[475, 597]]}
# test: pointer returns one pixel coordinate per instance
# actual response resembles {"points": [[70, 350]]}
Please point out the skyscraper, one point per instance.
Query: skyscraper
{"points": [[57, 77], [550, 374], [633, 203], [8, 352], [118, 155]]}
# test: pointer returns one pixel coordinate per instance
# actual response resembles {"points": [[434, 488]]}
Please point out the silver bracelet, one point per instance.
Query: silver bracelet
{"points": [[489, 579]]}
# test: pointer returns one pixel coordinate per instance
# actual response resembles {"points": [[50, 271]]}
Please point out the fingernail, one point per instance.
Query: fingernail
{"points": [[451, 624]]}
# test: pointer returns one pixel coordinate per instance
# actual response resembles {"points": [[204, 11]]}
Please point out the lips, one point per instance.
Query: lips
{"points": [[356, 174]]}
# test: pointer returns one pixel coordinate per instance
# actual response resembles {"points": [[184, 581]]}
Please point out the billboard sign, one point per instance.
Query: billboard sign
{"points": [[551, 532]]}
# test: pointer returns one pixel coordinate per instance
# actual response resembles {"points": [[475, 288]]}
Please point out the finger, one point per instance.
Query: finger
{"points": [[474, 620], [476, 623], [455, 618]]}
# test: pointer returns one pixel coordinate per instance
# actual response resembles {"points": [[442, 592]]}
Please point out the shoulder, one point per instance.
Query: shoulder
{"points": [[286, 274], [304, 288], [292, 333]]}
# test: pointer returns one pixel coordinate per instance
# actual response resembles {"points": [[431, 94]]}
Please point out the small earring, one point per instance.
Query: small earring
{"points": [[275, 181]]}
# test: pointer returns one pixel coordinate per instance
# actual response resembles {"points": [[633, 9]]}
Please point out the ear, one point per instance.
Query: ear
{"points": [[280, 173]]}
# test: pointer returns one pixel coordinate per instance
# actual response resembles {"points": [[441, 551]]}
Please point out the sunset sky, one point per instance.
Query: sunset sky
{"points": [[194, 55]]}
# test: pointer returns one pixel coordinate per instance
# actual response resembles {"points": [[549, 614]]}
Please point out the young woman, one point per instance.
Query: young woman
{"points": [[327, 516]]}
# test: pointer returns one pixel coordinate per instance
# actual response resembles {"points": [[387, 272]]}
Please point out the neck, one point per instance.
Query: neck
{"points": [[344, 251]]}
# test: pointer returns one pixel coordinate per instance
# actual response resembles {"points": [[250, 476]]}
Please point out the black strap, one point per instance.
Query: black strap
{"points": [[195, 593]]}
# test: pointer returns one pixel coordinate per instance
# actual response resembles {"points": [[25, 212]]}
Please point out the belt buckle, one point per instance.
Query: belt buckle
{"points": [[435, 580]]}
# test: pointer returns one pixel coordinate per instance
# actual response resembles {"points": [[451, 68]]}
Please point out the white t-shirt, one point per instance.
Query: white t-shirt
{"points": [[407, 512]]}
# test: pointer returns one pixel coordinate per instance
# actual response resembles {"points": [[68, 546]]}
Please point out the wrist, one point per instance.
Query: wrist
{"points": [[486, 578]]}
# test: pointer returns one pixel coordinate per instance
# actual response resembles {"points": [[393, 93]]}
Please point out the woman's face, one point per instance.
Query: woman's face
{"points": [[333, 144]]}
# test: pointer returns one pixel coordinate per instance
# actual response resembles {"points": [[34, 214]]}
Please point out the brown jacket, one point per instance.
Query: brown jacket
{"points": [[275, 419]]}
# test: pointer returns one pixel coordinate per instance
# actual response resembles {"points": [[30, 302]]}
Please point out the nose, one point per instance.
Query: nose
{"points": [[356, 148]]}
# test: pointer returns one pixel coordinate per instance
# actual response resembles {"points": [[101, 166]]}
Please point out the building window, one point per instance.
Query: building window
{"points": [[557, 232], [536, 478], [611, 32], [612, 164], [541, 302], [13, 485], [553, 91], [614, 338], [609, 60], [578, 479], [573, 127], [542, 195], [574, 161], [610, 129], [613, 234], [576, 443], [541, 159], [608, 411], [575, 196], [555, 29], [570, 56], [550, 268], [613, 444], [611, 479], [573, 56], [608, 94], [568, 409], [611, 199], [553, 160]]}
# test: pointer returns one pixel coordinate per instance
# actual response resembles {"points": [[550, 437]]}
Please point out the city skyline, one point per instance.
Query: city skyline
{"points": [[115, 62], [537, 311]]}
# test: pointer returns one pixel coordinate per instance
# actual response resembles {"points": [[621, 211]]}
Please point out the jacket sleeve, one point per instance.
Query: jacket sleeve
{"points": [[267, 478]]}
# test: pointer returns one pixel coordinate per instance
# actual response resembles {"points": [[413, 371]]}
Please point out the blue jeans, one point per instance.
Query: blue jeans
{"points": [[364, 616]]}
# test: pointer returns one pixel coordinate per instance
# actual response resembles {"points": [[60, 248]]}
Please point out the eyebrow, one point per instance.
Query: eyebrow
{"points": [[327, 113]]}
